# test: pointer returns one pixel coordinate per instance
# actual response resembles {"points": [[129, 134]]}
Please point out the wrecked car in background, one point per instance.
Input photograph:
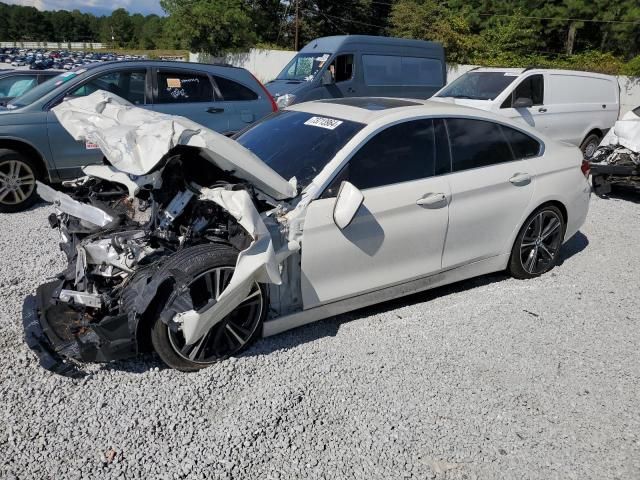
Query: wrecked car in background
{"points": [[617, 159], [193, 244]]}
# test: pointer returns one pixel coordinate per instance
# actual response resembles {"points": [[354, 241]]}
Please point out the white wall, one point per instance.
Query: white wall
{"points": [[266, 64]]}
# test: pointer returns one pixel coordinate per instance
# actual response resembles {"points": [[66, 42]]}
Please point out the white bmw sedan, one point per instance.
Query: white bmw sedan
{"points": [[319, 209]]}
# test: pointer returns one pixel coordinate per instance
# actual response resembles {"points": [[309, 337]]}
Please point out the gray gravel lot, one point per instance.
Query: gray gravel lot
{"points": [[490, 378]]}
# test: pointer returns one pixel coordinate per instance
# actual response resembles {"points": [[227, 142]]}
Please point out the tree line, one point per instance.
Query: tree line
{"points": [[595, 34]]}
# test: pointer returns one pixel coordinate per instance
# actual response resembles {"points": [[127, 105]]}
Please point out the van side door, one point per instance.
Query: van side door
{"points": [[343, 71], [532, 88]]}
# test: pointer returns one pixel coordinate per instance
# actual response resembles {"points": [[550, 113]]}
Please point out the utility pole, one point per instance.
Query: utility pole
{"points": [[297, 24]]}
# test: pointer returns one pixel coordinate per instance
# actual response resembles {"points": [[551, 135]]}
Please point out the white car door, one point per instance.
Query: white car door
{"points": [[538, 115], [491, 186], [398, 232]]}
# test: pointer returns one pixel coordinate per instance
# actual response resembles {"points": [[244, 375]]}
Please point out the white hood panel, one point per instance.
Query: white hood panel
{"points": [[134, 140]]}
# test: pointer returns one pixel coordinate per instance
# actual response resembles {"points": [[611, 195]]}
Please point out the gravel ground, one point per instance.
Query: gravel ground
{"points": [[490, 378]]}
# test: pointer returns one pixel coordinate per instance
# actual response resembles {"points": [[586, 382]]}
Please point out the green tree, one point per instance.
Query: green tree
{"points": [[433, 20], [212, 26]]}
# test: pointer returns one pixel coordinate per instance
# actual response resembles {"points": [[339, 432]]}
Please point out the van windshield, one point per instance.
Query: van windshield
{"points": [[304, 67], [478, 85]]}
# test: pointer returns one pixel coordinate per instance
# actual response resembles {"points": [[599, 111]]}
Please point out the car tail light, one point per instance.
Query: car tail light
{"points": [[585, 167], [274, 106]]}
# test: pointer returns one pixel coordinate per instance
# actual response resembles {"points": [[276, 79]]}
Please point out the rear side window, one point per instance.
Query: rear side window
{"points": [[388, 70], [523, 145], [184, 87], [401, 153], [476, 143], [234, 91]]}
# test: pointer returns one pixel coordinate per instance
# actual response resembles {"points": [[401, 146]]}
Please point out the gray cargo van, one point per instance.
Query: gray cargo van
{"points": [[359, 66]]}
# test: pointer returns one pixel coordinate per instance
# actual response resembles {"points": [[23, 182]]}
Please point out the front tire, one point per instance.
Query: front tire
{"points": [[18, 175], [207, 270], [537, 246]]}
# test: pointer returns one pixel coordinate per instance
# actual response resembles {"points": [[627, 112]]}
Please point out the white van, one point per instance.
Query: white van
{"points": [[577, 107]]}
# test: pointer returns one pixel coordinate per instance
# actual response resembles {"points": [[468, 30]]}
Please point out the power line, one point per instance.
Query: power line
{"points": [[560, 18], [342, 19]]}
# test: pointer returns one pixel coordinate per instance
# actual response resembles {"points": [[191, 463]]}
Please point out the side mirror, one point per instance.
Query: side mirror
{"points": [[522, 102], [327, 78], [347, 205]]}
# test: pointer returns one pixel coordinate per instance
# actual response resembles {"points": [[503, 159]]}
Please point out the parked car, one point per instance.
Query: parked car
{"points": [[18, 62], [360, 66], [576, 107], [14, 83], [390, 197], [616, 162], [225, 99]]}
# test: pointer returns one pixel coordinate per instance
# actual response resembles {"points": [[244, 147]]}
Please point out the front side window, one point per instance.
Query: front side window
{"points": [[531, 87], [342, 68], [129, 85], [478, 85], [400, 153], [15, 86], [391, 70], [298, 144], [184, 87], [234, 91], [304, 66], [476, 143]]}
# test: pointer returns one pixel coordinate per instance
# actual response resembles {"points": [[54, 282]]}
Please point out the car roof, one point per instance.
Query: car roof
{"points": [[156, 63], [334, 43], [352, 111], [541, 70]]}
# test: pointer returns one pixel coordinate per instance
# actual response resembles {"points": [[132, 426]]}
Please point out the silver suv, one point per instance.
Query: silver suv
{"points": [[34, 146]]}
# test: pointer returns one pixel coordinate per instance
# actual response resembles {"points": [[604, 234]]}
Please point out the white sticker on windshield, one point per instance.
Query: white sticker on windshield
{"points": [[323, 58], [509, 74], [324, 122]]}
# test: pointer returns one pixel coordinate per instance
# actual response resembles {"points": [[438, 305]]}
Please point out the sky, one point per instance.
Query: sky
{"points": [[97, 7]]}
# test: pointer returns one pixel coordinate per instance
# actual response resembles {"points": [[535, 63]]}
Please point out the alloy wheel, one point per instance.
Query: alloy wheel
{"points": [[231, 333], [17, 182], [541, 242]]}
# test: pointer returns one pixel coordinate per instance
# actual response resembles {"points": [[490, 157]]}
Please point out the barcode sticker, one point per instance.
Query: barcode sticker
{"points": [[324, 122]]}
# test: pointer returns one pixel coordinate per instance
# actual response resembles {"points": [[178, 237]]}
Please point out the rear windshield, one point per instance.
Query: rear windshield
{"points": [[42, 90], [298, 144], [478, 85]]}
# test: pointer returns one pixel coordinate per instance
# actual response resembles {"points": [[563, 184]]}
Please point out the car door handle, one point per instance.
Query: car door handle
{"points": [[433, 200], [542, 109], [520, 179], [215, 110]]}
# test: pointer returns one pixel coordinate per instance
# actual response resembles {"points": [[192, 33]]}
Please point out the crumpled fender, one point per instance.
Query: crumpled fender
{"points": [[257, 263]]}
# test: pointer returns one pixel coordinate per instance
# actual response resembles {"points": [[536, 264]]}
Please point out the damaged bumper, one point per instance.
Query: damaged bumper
{"points": [[59, 336], [604, 176]]}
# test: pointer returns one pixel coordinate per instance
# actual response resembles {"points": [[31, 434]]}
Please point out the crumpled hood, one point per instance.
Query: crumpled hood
{"points": [[134, 140], [277, 88]]}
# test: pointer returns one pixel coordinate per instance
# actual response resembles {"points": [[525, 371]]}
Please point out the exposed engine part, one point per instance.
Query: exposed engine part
{"points": [[83, 298]]}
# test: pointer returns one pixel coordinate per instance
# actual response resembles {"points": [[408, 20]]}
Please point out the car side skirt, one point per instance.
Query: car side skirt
{"points": [[481, 267]]}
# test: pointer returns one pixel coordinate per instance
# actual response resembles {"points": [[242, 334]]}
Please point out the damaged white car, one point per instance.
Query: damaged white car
{"points": [[616, 162], [193, 244]]}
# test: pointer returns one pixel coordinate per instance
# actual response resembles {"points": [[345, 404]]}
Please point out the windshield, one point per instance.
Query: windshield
{"points": [[41, 90], [479, 85], [304, 66], [298, 144], [13, 86]]}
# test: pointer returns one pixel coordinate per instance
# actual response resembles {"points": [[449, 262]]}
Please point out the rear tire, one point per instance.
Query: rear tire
{"points": [[205, 270], [590, 145], [18, 175], [537, 246]]}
